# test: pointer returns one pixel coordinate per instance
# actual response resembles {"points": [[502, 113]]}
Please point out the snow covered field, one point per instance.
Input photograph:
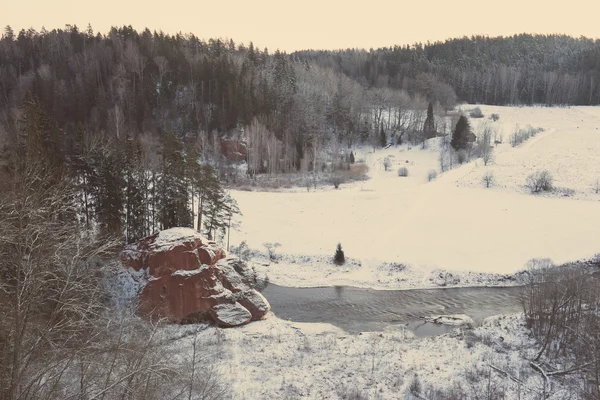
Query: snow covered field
{"points": [[452, 223]]}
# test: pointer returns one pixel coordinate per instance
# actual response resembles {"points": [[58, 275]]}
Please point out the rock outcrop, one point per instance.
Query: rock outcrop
{"points": [[190, 278]]}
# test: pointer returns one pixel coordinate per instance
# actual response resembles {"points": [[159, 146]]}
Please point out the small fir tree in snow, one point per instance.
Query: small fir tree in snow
{"points": [[339, 257], [462, 135], [352, 158]]}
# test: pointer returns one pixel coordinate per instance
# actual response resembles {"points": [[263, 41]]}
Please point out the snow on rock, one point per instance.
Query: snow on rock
{"points": [[455, 319], [188, 276], [174, 236], [229, 315]]}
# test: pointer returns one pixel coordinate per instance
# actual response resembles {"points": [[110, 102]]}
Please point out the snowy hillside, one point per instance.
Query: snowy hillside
{"points": [[453, 222], [569, 148]]}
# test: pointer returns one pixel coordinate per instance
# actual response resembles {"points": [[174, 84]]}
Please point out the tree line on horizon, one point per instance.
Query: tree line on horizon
{"points": [[512, 70]]}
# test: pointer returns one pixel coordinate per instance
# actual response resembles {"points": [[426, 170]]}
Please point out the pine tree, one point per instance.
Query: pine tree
{"points": [[462, 135], [429, 125], [382, 137], [352, 158], [215, 207], [172, 186], [339, 257], [208, 183], [193, 175]]}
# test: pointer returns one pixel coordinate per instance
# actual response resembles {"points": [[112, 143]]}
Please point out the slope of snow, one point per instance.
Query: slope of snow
{"points": [[569, 149], [451, 223]]}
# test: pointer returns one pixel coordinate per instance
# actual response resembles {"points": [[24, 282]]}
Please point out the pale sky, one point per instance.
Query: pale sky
{"points": [[316, 24]]}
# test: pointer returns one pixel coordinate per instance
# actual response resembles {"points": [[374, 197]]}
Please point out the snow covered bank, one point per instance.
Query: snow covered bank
{"points": [[279, 359], [315, 271]]}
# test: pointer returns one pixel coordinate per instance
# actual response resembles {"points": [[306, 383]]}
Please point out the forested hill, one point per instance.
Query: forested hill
{"points": [[520, 69], [148, 83]]}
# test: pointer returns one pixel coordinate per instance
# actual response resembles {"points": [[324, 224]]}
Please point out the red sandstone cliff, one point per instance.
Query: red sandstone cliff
{"points": [[191, 278]]}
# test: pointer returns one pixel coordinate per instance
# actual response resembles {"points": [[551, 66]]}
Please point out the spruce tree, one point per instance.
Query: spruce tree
{"points": [[339, 257], [216, 207], [462, 135], [352, 158], [429, 125]]}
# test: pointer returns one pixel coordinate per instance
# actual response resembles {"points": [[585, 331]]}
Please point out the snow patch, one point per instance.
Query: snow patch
{"points": [[191, 272], [175, 235]]}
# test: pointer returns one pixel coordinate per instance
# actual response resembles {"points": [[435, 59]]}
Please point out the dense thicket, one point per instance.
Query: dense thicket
{"points": [[561, 307], [519, 69]]}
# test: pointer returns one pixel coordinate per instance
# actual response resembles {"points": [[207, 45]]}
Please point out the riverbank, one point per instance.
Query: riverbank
{"points": [[280, 359], [320, 271]]}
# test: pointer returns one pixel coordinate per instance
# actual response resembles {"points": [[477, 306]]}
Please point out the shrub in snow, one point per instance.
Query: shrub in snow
{"points": [[387, 163], [337, 179], [476, 113], [539, 181], [431, 175], [354, 393], [488, 179], [271, 247], [339, 257], [415, 386], [402, 171], [521, 135], [242, 251], [597, 185], [392, 267], [261, 284], [494, 117], [462, 156]]}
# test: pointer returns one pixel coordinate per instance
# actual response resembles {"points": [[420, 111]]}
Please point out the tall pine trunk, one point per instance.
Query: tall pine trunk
{"points": [[200, 203]]}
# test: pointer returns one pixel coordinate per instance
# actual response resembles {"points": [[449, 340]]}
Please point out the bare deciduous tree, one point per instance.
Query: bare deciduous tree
{"points": [[488, 179], [484, 143]]}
